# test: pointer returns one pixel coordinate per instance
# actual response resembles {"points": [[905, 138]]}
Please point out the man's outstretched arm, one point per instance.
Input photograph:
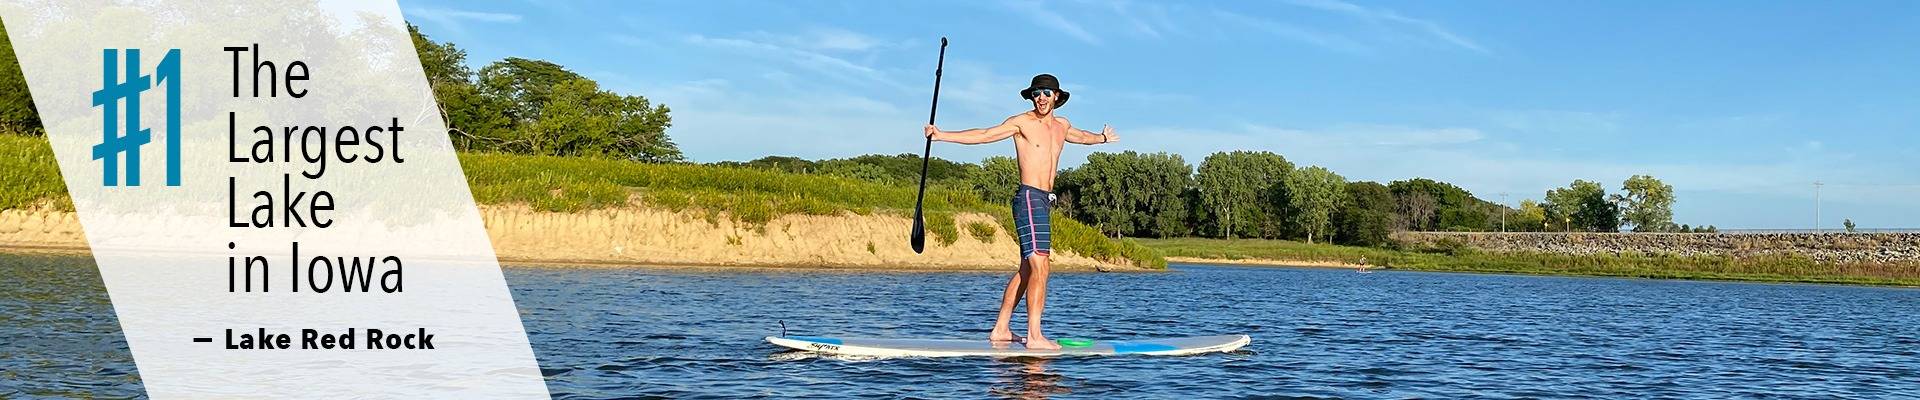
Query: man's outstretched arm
{"points": [[1081, 136], [974, 136]]}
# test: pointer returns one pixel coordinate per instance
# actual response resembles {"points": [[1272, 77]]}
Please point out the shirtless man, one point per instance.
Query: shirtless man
{"points": [[1037, 136]]}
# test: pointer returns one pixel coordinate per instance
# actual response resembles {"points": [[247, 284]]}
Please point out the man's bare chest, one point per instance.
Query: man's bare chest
{"points": [[1045, 133]]}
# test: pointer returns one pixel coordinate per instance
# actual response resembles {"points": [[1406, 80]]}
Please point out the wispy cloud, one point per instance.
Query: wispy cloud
{"points": [[1140, 25], [1047, 18], [1156, 20], [820, 89], [713, 121], [1388, 17], [1330, 41], [836, 67], [630, 40], [834, 39], [456, 20], [1146, 19]]}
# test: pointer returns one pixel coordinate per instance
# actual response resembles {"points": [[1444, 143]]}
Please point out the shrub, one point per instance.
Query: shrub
{"points": [[982, 231]]}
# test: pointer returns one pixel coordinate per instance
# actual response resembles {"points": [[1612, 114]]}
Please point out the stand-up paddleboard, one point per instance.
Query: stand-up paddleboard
{"points": [[960, 347]]}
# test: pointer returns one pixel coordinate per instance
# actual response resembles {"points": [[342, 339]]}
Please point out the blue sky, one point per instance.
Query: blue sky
{"points": [[1740, 105]]}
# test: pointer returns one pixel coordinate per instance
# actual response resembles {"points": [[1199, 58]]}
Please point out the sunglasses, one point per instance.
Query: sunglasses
{"points": [[1043, 92]]}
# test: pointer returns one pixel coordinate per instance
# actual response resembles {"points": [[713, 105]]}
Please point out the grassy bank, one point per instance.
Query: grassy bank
{"points": [[751, 195], [30, 177], [1463, 259], [28, 174]]}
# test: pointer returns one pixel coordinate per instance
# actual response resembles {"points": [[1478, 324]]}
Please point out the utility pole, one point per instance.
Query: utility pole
{"points": [[1816, 206], [1503, 212]]}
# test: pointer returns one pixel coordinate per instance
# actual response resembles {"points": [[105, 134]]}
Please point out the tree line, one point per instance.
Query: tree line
{"points": [[525, 106], [17, 115], [515, 105], [529, 106], [1258, 194]]}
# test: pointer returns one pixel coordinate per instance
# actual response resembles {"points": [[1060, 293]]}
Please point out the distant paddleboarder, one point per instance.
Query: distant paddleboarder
{"points": [[1038, 136]]}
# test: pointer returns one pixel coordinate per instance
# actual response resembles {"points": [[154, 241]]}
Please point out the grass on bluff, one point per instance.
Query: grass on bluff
{"points": [[29, 175], [1462, 258], [983, 232], [753, 196]]}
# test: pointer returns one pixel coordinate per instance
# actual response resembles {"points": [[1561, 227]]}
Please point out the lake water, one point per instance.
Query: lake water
{"points": [[1316, 333]]}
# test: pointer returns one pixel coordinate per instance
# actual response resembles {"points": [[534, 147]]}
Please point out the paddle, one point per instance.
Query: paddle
{"points": [[919, 237]]}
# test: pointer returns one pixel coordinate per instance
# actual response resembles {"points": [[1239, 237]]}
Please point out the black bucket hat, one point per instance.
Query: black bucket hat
{"points": [[1045, 81]]}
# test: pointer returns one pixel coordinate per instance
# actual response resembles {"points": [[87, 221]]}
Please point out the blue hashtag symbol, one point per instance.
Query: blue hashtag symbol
{"points": [[112, 92], [114, 145]]}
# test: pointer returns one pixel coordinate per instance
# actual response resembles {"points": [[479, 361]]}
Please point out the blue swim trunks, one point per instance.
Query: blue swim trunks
{"points": [[1032, 211]]}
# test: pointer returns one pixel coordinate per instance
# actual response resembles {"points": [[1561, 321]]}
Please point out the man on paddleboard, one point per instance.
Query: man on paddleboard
{"points": [[1038, 136]]}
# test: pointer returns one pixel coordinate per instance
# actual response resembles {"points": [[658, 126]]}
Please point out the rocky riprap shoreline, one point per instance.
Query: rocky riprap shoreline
{"points": [[1838, 248]]}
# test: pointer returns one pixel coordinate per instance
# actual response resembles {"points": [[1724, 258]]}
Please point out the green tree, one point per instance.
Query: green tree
{"points": [[1445, 207], [538, 107], [17, 113], [1130, 193], [1474, 216], [1848, 223], [865, 172], [890, 168], [640, 131], [474, 121], [581, 120], [1313, 193], [1366, 218], [1531, 217], [1197, 221], [784, 164], [569, 124], [1584, 206], [1416, 210], [444, 63], [1648, 204], [1165, 177], [906, 167], [1236, 189], [996, 179], [526, 85]]}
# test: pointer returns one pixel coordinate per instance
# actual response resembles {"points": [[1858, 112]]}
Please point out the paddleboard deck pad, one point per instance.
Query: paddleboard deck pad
{"points": [[962, 348]]}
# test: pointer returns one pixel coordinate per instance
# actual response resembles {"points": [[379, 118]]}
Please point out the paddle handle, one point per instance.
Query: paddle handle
{"points": [[935, 110], [918, 238]]}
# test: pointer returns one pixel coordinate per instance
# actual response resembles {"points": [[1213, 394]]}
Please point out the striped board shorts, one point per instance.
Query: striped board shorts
{"points": [[1032, 212]]}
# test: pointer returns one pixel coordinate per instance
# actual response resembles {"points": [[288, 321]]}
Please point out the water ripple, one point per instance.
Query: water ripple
{"points": [[1318, 333]]}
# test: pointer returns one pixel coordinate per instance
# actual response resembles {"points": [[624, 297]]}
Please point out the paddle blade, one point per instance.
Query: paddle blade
{"points": [[919, 238]]}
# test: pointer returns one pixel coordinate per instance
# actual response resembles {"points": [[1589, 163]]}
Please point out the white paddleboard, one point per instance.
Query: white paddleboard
{"points": [[961, 347]]}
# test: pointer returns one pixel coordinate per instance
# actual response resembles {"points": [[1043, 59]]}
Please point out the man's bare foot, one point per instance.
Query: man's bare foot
{"points": [[1035, 341], [1002, 335]]}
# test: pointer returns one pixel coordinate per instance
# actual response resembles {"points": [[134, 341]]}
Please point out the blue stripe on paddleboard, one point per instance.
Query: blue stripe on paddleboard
{"points": [[1128, 347], [817, 339]]}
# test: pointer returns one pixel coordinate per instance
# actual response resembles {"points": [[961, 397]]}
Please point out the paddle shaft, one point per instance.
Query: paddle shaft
{"points": [[919, 237]]}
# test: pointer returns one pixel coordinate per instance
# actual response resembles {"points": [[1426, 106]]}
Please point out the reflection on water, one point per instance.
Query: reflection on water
{"points": [[608, 333], [1027, 378]]}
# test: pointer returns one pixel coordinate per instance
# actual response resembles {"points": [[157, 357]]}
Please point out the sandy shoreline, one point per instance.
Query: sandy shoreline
{"points": [[1269, 262], [643, 237], [779, 267]]}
